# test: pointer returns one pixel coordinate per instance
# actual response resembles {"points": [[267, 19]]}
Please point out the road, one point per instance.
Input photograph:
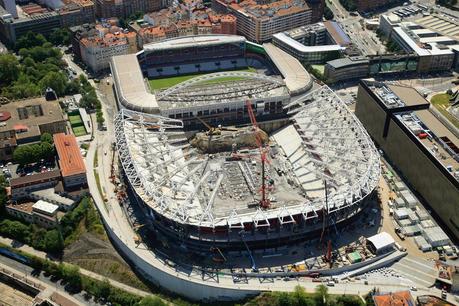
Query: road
{"points": [[21, 269], [365, 40]]}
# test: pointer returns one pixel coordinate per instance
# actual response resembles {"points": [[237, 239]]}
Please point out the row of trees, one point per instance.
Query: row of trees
{"points": [[39, 238], [101, 290], [299, 297]]}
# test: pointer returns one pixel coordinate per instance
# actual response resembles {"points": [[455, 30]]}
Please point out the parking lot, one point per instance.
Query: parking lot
{"points": [[11, 170]]}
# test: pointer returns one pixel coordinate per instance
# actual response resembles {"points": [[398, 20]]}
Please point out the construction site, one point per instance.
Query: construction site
{"points": [[240, 189]]}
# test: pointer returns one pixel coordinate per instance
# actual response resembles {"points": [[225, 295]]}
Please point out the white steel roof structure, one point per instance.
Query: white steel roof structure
{"points": [[182, 184], [193, 41]]}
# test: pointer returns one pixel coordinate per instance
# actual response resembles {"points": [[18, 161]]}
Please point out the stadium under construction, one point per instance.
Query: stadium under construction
{"points": [[239, 188]]}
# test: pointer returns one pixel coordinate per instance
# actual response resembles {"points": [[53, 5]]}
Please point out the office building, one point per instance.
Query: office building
{"points": [[96, 51], [315, 43], [346, 68], [419, 143], [436, 52]]}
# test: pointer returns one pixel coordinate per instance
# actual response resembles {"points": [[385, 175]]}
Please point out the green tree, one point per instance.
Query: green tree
{"points": [[46, 137], [102, 289], [56, 81], [284, 299], [100, 117], [14, 229], [321, 295], [3, 195], [73, 87], [71, 274], [53, 241], [60, 37], [9, 69], [30, 40], [348, 300], [151, 301], [328, 13]]}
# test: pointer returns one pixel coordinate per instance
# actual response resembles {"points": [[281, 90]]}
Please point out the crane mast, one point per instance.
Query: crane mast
{"points": [[264, 202]]}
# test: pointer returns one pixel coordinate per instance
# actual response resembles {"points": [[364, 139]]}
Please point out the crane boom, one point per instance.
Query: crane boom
{"points": [[264, 203]]}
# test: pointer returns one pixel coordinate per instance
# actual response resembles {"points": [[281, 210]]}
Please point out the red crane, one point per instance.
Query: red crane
{"points": [[264, 202]]}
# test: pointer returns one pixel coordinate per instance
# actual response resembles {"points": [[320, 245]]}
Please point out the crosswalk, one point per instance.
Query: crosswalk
{"points": [[419, 271]]}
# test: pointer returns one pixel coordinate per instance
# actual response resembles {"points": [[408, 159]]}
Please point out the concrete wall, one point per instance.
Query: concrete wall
{"points": [[174, 282], [402, 149]]}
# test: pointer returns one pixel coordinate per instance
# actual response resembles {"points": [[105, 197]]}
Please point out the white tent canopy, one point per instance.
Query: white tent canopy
{"points": [[381, 241]]}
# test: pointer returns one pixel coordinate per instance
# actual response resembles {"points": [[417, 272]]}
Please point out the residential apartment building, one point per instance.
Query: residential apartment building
{"points": [[70, 161], [424, 148], [317, 9], [41, 213], [21, 187], [188, 19], [17, 20], [125, 8], [23, 122], [96, 51], [259, 22]]}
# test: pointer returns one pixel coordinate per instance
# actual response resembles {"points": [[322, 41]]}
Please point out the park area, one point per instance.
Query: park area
{"points": [[441, 102], [157, 84], [77, 124]]}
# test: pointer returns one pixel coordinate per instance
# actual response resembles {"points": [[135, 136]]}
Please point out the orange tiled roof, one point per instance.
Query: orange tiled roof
{"points": [[401, 298], [70, 159]]}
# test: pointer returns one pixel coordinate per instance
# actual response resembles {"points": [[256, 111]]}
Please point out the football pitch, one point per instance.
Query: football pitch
{"points": [[156, 84]]}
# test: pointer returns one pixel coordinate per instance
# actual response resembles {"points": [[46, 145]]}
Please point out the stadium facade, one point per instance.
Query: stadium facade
{"points": [[222, 57], [205, 201]]}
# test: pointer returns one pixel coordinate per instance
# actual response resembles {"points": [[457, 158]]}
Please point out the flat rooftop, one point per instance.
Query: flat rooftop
{"points": [[348, 61], [28, 115], [397, 96], [445, 25], [441, 143]]}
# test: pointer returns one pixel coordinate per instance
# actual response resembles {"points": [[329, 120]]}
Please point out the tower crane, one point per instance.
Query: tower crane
{"points": [[264, 202]]}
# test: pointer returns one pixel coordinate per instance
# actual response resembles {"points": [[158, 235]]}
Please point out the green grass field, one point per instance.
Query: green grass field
{"points": [[320, 68], [77, 125], [441, 102], [79, 131], [75, 120], [156, 84]]}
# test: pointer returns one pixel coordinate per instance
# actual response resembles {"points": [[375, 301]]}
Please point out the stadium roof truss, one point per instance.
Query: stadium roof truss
{"points": [[177, 91], [168, 174]]}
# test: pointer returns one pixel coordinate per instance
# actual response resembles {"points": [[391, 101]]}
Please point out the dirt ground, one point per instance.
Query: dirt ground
{"points": [[94, 254]]}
